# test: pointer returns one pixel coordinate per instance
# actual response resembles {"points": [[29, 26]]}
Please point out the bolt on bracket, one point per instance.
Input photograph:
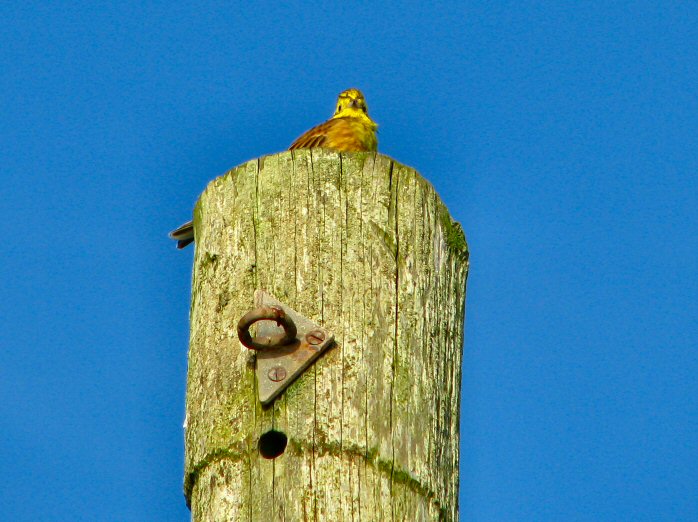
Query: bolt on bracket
{"points": [[285, 349]]}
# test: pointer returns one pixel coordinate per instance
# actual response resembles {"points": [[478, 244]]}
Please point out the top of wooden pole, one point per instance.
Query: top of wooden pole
{"points": [[363, 246]]}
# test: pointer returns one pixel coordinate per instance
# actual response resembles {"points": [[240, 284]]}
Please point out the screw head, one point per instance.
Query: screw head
{"points": [[315, 337], [277, 373]]}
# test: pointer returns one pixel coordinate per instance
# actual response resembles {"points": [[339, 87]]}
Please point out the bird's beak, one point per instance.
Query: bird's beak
{"points": [[355, 104]]}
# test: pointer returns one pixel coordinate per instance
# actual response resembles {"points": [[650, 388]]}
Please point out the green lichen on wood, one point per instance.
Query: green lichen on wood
{"points": [[453, 232], [231, 453]]}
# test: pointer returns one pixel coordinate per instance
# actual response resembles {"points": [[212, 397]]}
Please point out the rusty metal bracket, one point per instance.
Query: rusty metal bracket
{"points": [[285, 349]]}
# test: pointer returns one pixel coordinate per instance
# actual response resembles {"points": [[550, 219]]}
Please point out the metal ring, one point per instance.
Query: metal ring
{"points": [[266, 313]]}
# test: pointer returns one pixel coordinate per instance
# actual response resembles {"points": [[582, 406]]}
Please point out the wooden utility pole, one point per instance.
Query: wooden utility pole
{"points": [[364, 247]]}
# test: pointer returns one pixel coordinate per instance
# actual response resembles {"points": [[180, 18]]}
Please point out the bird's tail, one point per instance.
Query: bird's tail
{"points": [[184, 234]]}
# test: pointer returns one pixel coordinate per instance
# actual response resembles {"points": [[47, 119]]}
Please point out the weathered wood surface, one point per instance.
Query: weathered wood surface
{"points": [[363, 246]]}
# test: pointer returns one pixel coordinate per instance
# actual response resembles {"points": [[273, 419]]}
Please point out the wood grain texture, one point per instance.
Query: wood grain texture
{"points": [[364, 247]]}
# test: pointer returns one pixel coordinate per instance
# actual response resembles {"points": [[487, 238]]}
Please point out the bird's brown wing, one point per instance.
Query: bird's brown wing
{"points": [[315, 137], [344, 134]]}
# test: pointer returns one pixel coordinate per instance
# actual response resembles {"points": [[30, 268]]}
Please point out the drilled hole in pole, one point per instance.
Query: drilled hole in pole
{"points": [[272, 444]]}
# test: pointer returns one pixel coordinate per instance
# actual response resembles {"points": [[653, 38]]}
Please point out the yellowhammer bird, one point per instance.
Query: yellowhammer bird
{"points": [[349, 129]]}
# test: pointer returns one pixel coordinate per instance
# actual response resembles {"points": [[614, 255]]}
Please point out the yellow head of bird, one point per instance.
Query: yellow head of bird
{"points": [[351, 103]]}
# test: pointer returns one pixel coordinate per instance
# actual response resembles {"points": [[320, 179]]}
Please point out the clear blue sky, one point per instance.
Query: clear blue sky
{"points": [[563, 135]]}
